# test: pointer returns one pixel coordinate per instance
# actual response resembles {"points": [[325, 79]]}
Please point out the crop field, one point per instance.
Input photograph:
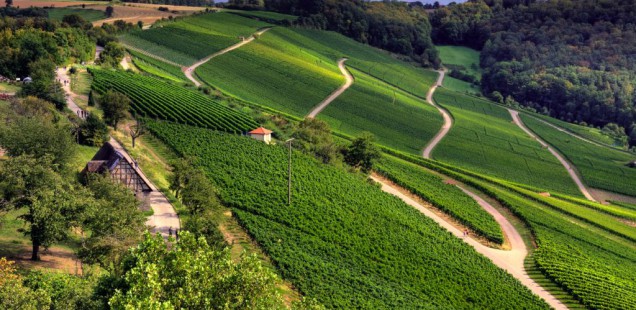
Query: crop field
{"points": [[460, 86], [157, 67], [590, 133], [624, 205], [263, 15], [446, 197], [145, 12], [344, 241], [88, 14], [154, 98], [460, 56], [398, 119], [276, 72], [600, 167], [484, 139], [190, 39]]}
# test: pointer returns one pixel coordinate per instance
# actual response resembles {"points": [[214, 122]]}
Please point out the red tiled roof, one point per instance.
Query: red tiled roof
{"points": [[261, 131]]}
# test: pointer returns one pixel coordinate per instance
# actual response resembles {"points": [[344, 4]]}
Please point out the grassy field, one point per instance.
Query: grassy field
{"points": [[600, 167], [461, 56], [590, 133], [263, 15], [9, 88], [81, 82], [88, 14], [398, 119], [344, 241], [460, 86], [484, 139], [191, 39]]}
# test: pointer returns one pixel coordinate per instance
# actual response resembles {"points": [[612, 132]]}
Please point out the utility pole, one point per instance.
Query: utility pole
{"points": [[289, 172]]}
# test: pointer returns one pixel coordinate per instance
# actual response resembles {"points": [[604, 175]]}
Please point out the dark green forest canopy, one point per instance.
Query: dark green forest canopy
{"points": [[571, 59]]}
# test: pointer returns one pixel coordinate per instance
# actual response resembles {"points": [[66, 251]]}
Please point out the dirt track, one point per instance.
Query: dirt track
{"points": [[348, 82], [448, 121]]}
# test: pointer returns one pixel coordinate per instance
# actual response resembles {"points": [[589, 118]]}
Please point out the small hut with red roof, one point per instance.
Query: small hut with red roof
{"points": [[261, 134]]}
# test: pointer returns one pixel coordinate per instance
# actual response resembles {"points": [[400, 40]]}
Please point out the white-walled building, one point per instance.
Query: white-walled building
{"points": [[261, 134]]}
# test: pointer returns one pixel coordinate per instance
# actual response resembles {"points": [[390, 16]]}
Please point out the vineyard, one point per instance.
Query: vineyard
{"points": [[157, 67], [600, 167], [590, 133], [190, 39], [154, 98], [343, 241], [446, 197], [484, 139], [398, 119]]}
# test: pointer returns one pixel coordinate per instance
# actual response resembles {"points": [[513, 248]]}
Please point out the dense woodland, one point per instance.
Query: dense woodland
{"points": [[570, 59], [393, 26]]}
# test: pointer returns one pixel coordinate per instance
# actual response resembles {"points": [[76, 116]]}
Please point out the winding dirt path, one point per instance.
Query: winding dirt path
{"points": [[448, 121], [511, 261], [190, 70], [65, 80], [348, 82], [571, 171]]}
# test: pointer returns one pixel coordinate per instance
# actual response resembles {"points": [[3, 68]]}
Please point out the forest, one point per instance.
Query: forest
{"points": [[569, 59]]}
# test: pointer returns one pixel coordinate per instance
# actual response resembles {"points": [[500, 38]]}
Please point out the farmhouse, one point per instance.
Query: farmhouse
{"points": [[120, 168], [261, 134]]}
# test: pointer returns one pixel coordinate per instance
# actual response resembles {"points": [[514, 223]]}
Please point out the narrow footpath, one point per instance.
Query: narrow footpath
{"points": [[190, 70], [348, 82], [571, 171], [512, 261], [164, 216], [448, 121]]}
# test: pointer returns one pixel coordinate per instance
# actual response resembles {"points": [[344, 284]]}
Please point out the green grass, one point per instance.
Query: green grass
{"points": [[446, 197], [264, 15], [484, 139], [600, 167], [9, 88], [81, 82], [460, 86], [88, 14], [397, 119], [625, 205], [344, 241], [190, 39], [461, 56]]}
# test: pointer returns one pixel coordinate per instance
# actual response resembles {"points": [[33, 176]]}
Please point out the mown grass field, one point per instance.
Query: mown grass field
{"points": [[88, 14], [344, 241], [396, 118], [600, 167], [461, 56], [484, 139], [190, 39]]}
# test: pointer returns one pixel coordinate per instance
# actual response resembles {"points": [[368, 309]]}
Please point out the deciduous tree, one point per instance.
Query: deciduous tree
{"points": [[115, 106]]}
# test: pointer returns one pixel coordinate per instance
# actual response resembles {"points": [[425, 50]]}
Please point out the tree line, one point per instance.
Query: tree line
{"points": [[572, 60]]}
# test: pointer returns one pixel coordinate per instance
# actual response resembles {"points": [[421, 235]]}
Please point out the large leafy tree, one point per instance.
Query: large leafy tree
{"points": [[14, 295], [362, 153], [115, 106]]}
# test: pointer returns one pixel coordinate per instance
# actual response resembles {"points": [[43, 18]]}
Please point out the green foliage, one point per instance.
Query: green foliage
{"points": [[67, 292], [88, 15], [157, 99], [362, 153], [484, 139], [461, 57], [14, 295], [343, 241], [44, 85], [115, 106], [313, 136], [446, 197], [192, 275], [112, 54], [464, 24], [194, 38], [93, 131], [600, 167]]}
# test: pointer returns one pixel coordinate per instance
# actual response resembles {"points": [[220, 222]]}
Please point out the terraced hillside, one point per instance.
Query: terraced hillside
{"points": [[191, 39], [484, 139], [343, 241], [601, 167]]}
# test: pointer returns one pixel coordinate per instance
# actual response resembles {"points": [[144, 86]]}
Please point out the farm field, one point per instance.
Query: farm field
{"points": [[263, 15], [58, 4], [600, 167], [465, 57], [398, 119], [147, 13], [343, 241], [90, 15], [590, 133], [190, 39], [484, 139], [155, 98], [446, 197], [157, 67], [460, 86]]}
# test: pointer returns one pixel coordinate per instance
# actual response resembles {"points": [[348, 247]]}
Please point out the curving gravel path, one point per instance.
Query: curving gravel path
{"points": [[512, 261], [190, 70], [348, 82], [448, 121], [571, 171]]}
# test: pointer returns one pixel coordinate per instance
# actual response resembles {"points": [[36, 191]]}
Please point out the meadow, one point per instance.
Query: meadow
{"points": [[187, 40], [154, 98], [343, 241], [465, 57], [396, 118], [460, 86], [600, 167], [484, 139]]}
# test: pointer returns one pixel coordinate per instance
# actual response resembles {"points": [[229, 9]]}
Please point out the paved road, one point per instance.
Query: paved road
{"points": [[511, 261], [348, 82], [571, 171], [448, 121], [190, 70]]}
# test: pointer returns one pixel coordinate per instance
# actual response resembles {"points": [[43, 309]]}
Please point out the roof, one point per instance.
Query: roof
{"points": [[260, 131]]}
